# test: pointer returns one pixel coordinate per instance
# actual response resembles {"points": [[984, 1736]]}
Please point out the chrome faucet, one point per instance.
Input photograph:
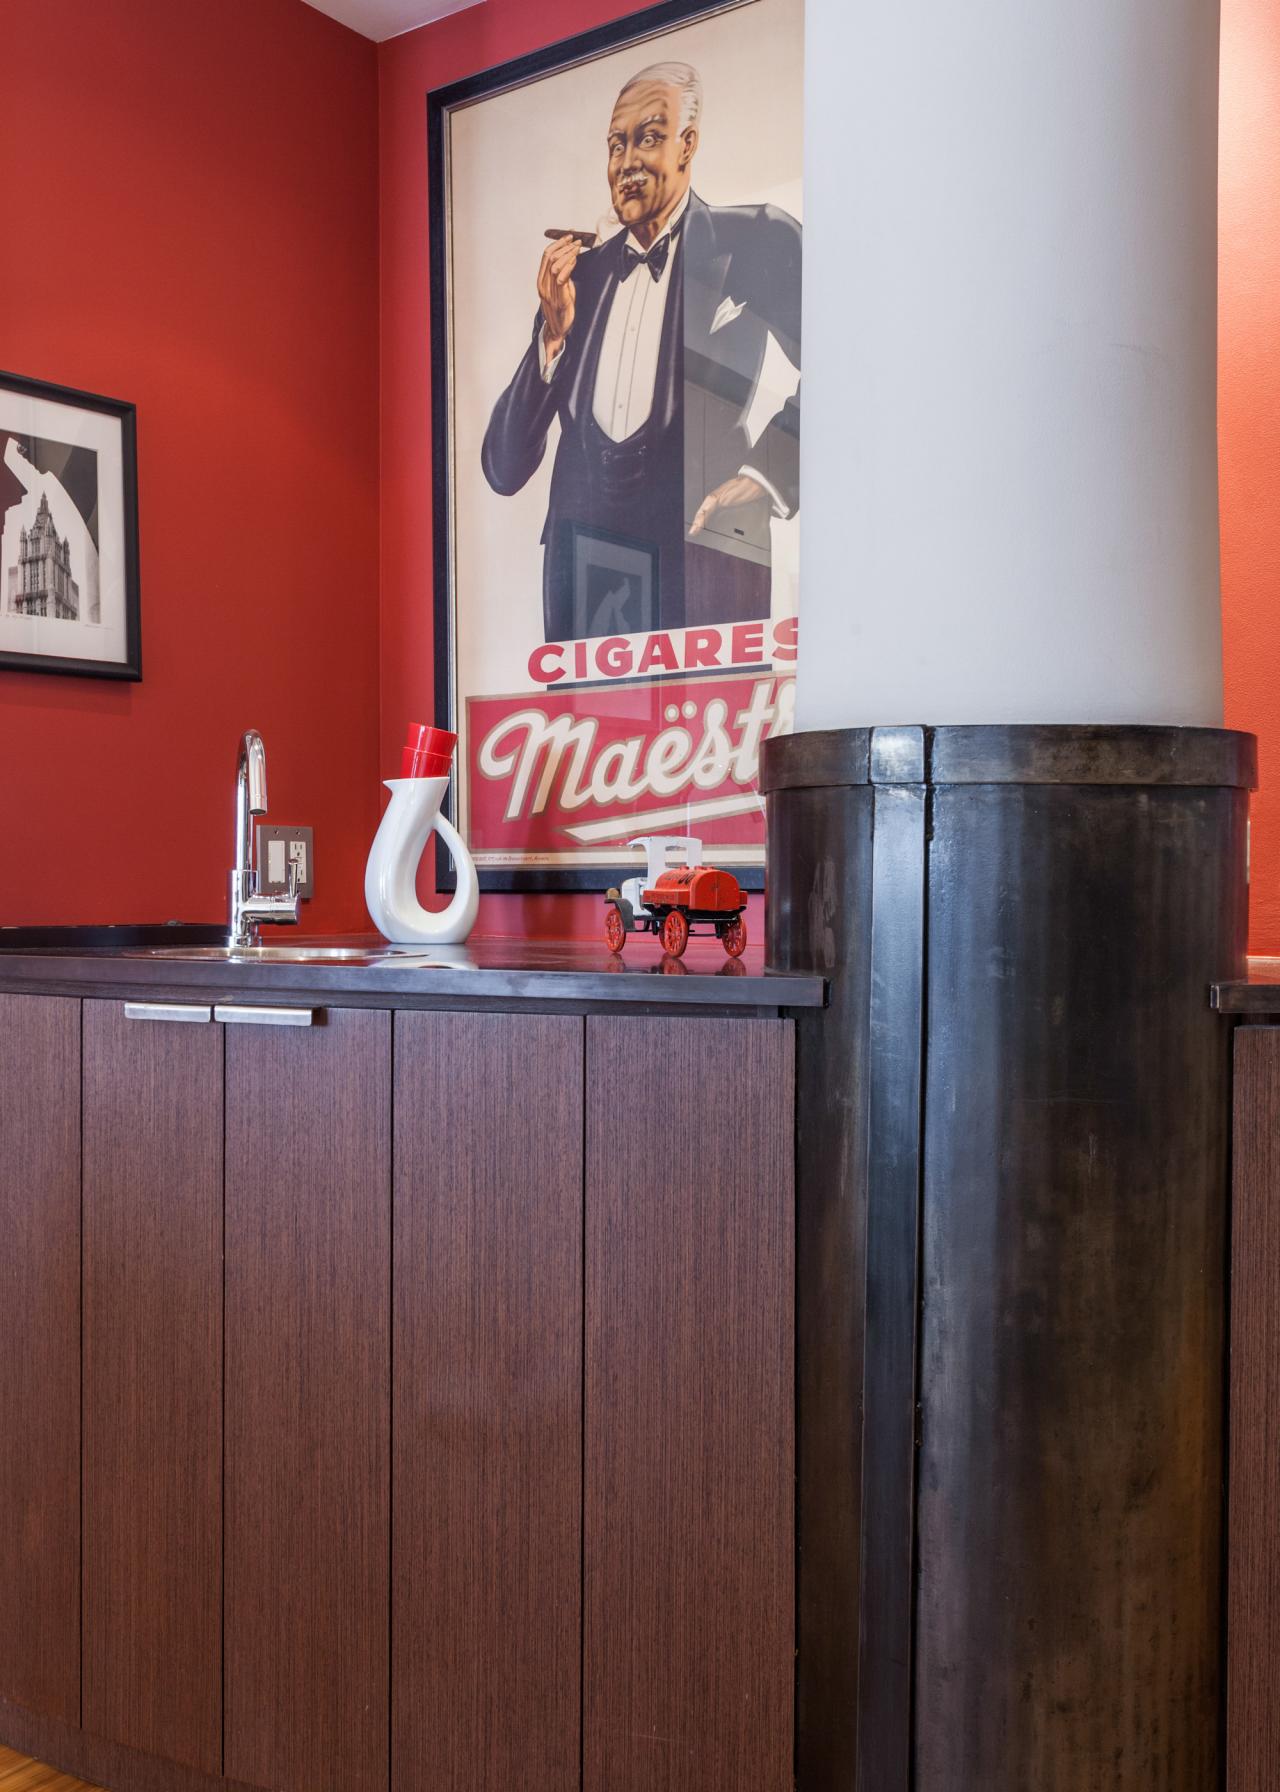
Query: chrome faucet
{"points": [[247, 908]]}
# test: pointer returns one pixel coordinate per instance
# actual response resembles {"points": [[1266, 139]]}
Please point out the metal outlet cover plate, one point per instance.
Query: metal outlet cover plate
{"points": [[277, 844]]}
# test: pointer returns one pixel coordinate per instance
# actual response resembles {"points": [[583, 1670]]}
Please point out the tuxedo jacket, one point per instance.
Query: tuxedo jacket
{"points": [[736, 281]]}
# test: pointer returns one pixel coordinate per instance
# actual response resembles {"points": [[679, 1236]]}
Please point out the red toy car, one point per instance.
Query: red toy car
{"points": [[673, 900]]}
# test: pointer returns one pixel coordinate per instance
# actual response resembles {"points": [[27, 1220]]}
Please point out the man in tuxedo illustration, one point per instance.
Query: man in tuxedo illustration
{"points": [[670, 355]]}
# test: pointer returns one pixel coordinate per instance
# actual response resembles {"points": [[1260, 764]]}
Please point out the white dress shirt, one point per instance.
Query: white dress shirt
{"points": [[628, 371]]}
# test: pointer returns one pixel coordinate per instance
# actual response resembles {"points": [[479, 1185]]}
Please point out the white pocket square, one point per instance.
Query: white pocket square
{"points": [[726, 311]]}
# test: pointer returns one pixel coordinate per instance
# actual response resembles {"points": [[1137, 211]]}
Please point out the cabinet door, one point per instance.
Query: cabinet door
{"points": [[308, 1284], [40, 1354], [689, 1538], [488, 1412], [1253, 1722], [153, 1385]]}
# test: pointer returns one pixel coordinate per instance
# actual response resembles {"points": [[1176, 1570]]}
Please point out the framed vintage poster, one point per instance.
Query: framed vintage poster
{"points": [[68, 532], [616, 260]]}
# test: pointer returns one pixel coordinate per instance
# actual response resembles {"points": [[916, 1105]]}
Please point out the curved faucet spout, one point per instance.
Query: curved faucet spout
{"points": [[251, 794], [246, 909]]}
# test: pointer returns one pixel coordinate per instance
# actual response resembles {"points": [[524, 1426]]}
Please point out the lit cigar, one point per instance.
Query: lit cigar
{"points": [[587, 238]]}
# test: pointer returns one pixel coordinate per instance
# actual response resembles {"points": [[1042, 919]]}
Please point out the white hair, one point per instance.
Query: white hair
{"points": [[684, 78]]}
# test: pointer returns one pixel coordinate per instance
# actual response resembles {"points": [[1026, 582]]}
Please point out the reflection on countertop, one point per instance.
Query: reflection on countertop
{"points": [[363, 966]]}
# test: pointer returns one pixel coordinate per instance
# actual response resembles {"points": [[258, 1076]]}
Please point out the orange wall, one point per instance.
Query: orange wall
{"points": [[1249, 419], [190, 200]]}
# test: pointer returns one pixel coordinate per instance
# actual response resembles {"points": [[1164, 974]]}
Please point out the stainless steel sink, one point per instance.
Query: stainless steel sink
{"points": [[301, 954], [257, 954]]}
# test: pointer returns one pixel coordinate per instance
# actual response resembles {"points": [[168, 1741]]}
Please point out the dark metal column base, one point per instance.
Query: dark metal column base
{"points": [[1013, 1211]]}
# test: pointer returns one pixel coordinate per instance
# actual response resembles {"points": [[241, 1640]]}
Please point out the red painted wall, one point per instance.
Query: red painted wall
{"points": [[210, 180], [190, 203], [408, 67], [1249, 418]]}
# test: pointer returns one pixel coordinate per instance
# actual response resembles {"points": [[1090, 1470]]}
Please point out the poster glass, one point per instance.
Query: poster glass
{"points": [[616, 239]]}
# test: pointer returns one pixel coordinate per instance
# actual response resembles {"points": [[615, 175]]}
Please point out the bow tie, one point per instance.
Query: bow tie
{"points": [[655, 260]]}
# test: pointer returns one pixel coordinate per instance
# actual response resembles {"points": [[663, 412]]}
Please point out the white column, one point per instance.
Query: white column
{"points": [[1009, 462]]}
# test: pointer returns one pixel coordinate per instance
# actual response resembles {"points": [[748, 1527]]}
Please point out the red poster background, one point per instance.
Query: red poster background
{"points": [[569, 776]]}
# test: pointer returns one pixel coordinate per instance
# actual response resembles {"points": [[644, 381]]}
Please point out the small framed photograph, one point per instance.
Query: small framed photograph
{"points": [[68, 532]]}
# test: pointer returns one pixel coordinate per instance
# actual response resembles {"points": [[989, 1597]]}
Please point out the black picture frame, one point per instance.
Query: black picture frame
{"points": [[129, 668], [634, 27]]}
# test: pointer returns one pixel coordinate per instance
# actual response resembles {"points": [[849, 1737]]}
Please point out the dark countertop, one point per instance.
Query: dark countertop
{"points": [[502, 971], [1259, 993], [113, 934]]}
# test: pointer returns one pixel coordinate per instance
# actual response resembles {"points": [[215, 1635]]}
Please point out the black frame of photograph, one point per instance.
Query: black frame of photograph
{"points": [[633, 27], [130, 668]]}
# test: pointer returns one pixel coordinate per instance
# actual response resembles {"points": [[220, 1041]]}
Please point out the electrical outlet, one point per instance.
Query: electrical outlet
{"points": [[278, 847]]}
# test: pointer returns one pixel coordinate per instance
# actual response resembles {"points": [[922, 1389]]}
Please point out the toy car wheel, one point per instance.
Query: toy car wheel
{"points": [[734, 936], [615, 932], [675, 933]]}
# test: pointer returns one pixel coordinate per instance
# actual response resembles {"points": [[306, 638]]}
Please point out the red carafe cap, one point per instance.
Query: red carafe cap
{"points": [[428, 752]]}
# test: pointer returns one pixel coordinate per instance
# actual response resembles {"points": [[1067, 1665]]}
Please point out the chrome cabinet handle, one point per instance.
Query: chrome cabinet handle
{"points": [[236, 1014], [185, 1011]]}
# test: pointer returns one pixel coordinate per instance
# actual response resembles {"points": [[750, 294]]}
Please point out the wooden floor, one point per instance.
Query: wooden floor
{"points": [[17, 1774]]}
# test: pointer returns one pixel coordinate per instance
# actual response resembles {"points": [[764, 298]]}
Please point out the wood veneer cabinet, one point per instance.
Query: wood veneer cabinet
{"points": [[307, 1389], [487, 1401], [1253, 1723], [689, 1383], [435, 1371], [40, 1354], [152, 1386]]}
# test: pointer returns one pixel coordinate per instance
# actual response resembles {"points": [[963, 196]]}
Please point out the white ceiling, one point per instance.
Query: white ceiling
{"points": [[380, 19]]}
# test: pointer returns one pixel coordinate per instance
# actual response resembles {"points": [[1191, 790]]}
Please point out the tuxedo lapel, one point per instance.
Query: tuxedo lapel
{"points": [[705, 271]]}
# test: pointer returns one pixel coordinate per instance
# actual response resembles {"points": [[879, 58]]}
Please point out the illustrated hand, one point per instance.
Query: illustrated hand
{"points": [[739, 490], [557, 292]]}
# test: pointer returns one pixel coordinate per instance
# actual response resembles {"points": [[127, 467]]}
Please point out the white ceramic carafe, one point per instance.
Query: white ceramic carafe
{"points": [[391, 875]]}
